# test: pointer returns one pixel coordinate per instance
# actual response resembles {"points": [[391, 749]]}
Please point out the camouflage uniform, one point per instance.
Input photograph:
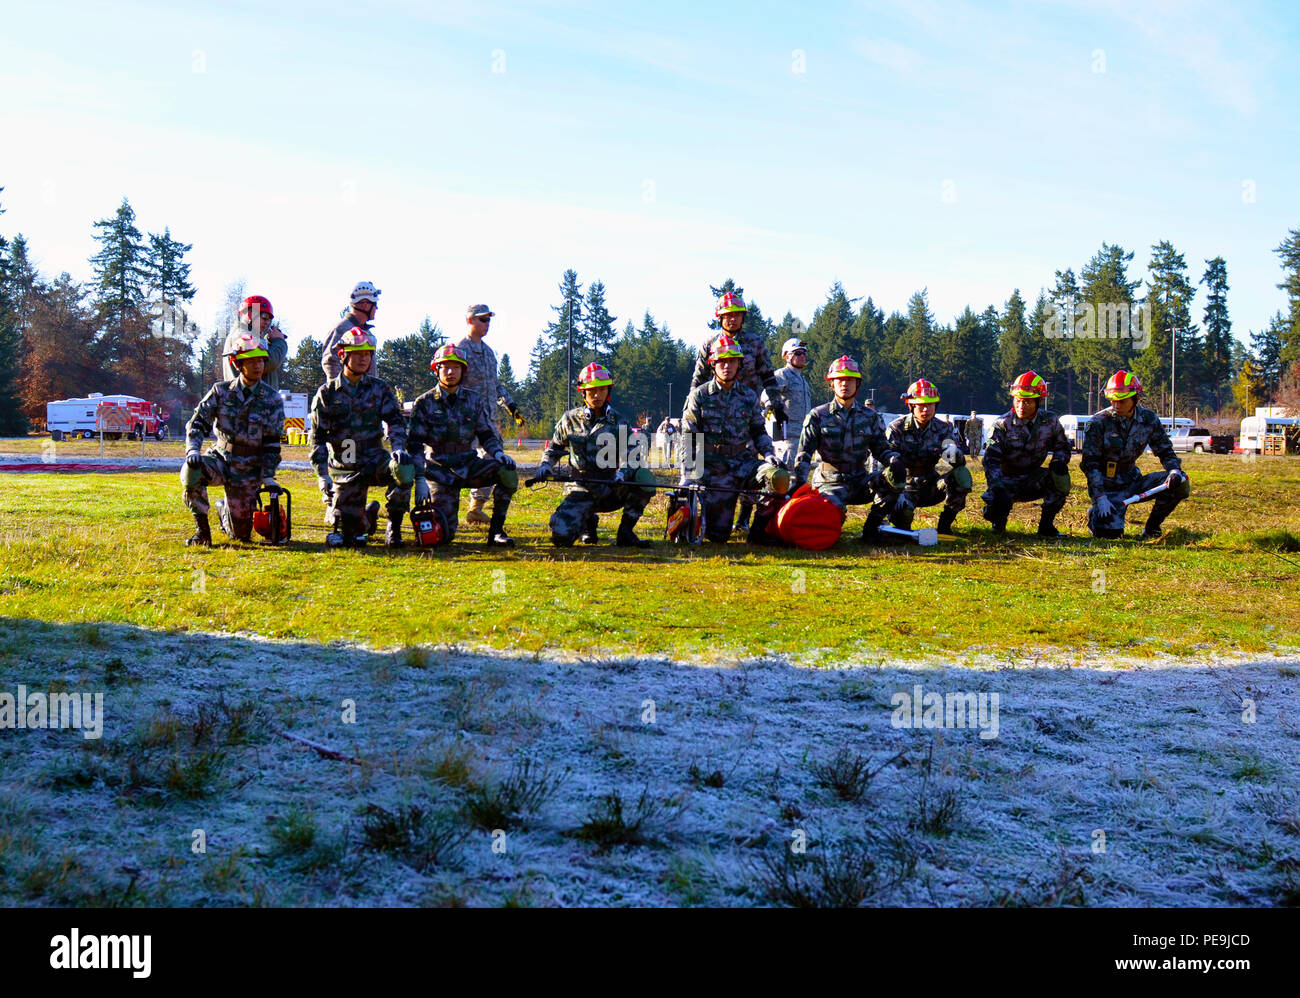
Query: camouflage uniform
{"points": [[847, 438], [975, 436], [594, 445], [797, 398], [1111, 447], [919, 449], [756, 372], [481, 376], [329, 357], [444, 428], [277, 350], [1013, 465], [248, 422], [722, 438], [346, 427]]}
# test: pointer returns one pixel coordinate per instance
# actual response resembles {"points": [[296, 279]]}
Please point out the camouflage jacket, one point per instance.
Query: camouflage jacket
{"points": [[597, 446], [248, 423], [722, 425], [481, 374], [1112, 441], [1017, 447], [445, 424], [347, 419], [844, 437], [277, 350], [329, 358], [919, 448], [795, 394], [755, 369]]}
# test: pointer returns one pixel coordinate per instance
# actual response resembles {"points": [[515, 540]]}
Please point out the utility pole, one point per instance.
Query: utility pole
{"points": [[670, 400], [568, 361]]}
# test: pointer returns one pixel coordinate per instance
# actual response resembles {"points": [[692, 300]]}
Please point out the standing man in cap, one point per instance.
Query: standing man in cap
{"points": [[797, 397], [481, 378], [974, 434]]}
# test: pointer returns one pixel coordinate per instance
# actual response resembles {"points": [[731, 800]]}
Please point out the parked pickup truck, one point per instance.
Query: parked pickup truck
{"points": [[1200, 440]]}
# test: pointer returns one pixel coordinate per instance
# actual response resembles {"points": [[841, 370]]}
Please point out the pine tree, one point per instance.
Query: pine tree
{"points": [[1249, 389], [24, 283], [1169, 297], [301, 371], [915, 351], [169, 278], [598, 329], [1216, 365], [1267, 345], [830, 334], [12, 420], [1014, 357], [120, 269], [405, 361], [506, 375], [61, 359], [1105, 292], [1289, 252]]}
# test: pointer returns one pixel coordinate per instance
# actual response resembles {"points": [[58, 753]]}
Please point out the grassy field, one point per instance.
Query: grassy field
{"points": [[87, 547], [533, 727]]}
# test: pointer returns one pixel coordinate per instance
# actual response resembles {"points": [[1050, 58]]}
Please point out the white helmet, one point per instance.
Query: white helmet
{"points": [[793, 344], [365, 291]]}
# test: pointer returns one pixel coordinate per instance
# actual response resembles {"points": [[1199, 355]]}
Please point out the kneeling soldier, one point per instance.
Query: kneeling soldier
{"points": [[1013, 463], [846, 436], [1114, 440], [444, 423], [596, 438], [931, 450], [723, 439], [248, 419], [347, 417]]}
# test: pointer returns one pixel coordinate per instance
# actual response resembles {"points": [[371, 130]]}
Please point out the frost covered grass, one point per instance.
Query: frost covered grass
{"points": [[96, 548], [472, 778]]}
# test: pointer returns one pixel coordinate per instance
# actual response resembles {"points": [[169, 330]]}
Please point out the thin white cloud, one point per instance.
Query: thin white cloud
{"points": [[890, 54]]}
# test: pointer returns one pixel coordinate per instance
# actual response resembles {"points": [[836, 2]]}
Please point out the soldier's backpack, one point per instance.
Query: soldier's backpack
{"points": [[809, 520]]}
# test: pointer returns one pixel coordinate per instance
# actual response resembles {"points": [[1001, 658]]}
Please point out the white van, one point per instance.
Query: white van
{"points": [[1075, 427]]}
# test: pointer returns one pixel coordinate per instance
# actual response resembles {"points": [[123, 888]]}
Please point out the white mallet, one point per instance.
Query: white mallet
{"points": [[926, 536]]}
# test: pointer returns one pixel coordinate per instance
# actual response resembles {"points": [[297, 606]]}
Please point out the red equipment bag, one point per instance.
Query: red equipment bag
{"points": [[809, 520]]}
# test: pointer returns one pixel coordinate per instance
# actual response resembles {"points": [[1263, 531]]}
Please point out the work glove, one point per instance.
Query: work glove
{"points": [[325, 484], [1175, 477], [194, 459], [401, 456], [904, 504], [544, 470], [1105, 507], [896, 472], [503, 459], [271, 483], [514, 411], [421, 490]]}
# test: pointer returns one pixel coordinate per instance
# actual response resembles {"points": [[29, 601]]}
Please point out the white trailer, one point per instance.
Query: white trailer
{"points": [[1255, 428], [1075, 427], [73, 417]]}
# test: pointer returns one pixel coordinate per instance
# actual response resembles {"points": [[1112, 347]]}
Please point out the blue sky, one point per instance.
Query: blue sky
{"points": [[457, 153]]}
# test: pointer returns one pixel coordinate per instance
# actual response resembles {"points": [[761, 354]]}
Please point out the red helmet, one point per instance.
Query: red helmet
{"points": [[1122, 385], [724, 346], [1029, 386], [355, 339], [920, 392], [730, 302], [444, 354], [845, 367], [262, 305], [594, 376]]}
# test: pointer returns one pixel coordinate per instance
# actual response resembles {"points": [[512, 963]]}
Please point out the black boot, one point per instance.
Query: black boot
{"points": [[627, 537], [589, 529], [945, 521], [372, 518], [746, 510], [393, 536], [871, 528], [202, 532], [998, 522], [497, 527], [1152, 530], [1046, 528]]}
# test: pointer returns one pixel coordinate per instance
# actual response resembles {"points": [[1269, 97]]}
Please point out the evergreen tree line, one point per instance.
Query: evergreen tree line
{"points": [[127, 330]]}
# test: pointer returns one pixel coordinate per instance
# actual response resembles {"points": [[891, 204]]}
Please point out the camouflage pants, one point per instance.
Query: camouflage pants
{"points": [[469, 471], [241, 489], [856, 489], [720, 507], [582, 501], [933, 491], [785, 451], [350, 488], [1119, 489], [1036, 485]]}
